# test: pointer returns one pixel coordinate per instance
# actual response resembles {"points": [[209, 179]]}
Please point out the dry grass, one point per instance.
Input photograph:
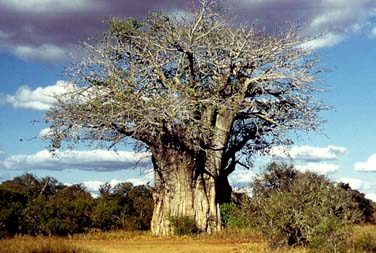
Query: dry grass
{"points": [[28, 244], [231, 241], [364, 239]]}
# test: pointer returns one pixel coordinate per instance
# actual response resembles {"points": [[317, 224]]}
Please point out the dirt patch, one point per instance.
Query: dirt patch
{"points": [[164, 246]]}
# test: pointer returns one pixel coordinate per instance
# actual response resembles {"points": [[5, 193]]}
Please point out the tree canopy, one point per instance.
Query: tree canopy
{"points": [[201, 93], [175, 76]]}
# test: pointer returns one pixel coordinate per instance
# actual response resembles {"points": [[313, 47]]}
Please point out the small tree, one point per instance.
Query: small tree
{"points": [[295, 208], [123, 207], [11, 205], [363, 204], [68, 211], [201, 94]]}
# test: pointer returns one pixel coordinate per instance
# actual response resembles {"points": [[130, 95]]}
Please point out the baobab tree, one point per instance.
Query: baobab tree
{"points": [[202, 94]]}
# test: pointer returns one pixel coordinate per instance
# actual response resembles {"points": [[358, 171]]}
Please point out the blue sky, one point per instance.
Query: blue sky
{"points": [[37, 36]]}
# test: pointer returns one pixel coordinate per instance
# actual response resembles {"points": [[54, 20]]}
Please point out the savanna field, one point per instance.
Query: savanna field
{"points": [[234, 241], [289, 212], [202, 97]]}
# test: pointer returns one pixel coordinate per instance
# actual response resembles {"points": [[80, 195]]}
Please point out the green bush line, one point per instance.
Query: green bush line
{"points": [[33, 206], [288, 207]]}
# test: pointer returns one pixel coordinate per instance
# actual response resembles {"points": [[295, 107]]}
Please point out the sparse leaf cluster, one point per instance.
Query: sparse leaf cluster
{"points": [[191, 79], [202, 94]]}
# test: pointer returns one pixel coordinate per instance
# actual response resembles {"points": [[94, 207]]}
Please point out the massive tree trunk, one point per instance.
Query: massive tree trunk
{"points": [[183, 187]]}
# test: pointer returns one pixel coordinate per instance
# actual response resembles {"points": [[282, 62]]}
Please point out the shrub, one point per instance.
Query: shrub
{"points": [[237, 215], [184, 225], [123, 207], [67, 212], [362, 203], [295, 208], [11, 205], [229, 214]]}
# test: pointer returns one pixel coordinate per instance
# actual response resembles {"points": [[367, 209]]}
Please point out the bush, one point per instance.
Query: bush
{"points": [[123, 207], [67, 212], [362, 203], [238, 213], [11, 205], [184, 225], [230, 215], [306, 209]]}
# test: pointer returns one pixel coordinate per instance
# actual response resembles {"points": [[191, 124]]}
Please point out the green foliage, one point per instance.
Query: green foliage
{"points": [[236, 216], [32, 187], [184, 225], [67, 212], [11, 205], [306, 209], [228, 214], [362, 203], [29, 205], [123, 207]]}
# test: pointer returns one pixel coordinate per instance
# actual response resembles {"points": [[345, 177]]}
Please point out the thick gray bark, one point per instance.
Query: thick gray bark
{"points": [[183, 188]]}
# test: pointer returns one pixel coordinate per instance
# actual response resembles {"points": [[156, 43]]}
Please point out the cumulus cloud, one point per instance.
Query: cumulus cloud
{"points": [[37, 23], [327, 40], [41, 98], [45, 132], [367, 166], [369, 189], [47, 29], [241, 178], [308, 153], [93, 186], [373, 33], [93, 160], [141, 180], [319, 168], [46, 6], [45, 52], [371, 196]]}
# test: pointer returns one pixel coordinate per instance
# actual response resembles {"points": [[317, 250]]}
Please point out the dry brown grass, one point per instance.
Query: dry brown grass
{"points": [[231, 241], [28, 244]]}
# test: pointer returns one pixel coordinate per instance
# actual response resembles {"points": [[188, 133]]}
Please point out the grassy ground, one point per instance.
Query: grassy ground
{"points": [[235, 241]]}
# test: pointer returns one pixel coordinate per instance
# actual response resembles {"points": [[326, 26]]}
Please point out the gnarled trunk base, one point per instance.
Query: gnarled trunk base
{"points": [[182, 189]]}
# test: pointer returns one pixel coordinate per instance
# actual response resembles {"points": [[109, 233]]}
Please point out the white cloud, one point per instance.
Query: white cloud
{"points": [[355, 183], [373, 33], [45, 132], [41, 98], [327, 40], [308, 153], [94, 160], [340, 19], [38, 6], [329, 18], [93, 186], [44, 52], [319, 168], [371, 196], [142, 180], [369, 189], [241, 178], [368, 166]]}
